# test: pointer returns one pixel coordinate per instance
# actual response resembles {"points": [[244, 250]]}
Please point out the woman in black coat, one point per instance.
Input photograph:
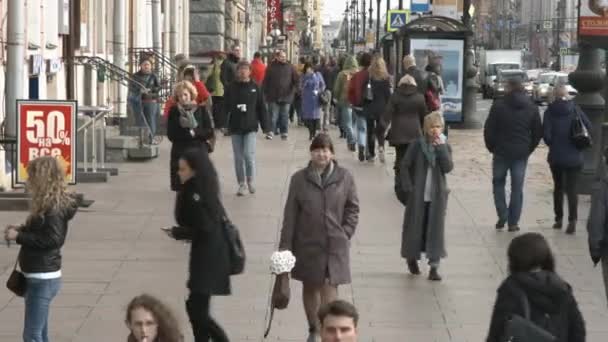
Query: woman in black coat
{"points": [[199, 215], [532, 274], [188, 126], [381, 90]]}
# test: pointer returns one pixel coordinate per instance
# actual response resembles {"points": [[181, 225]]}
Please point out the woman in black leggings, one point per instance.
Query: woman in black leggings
{"points": [[199, 215]]}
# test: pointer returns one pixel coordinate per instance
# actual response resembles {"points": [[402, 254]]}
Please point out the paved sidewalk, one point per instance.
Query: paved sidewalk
{"points": [[115, 251]]}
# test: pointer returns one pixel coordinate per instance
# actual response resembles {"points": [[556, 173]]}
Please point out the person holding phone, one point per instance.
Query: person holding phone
{"points": [[423, 170]]}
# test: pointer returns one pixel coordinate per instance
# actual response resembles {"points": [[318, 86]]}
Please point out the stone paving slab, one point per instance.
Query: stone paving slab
{"points": [[115, 251]]}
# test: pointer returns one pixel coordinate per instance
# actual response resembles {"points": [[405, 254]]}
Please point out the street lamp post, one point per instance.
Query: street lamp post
{"points": [[378, 24], [469, 105], [363, 19], [347, 29]]}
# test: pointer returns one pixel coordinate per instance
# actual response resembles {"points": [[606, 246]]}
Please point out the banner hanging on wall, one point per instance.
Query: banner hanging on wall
{"points": [[46, 128]]}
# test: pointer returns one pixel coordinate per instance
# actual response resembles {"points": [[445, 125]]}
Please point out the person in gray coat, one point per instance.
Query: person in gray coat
{"points": [[321, 215], [423, 171], [597, 225]]}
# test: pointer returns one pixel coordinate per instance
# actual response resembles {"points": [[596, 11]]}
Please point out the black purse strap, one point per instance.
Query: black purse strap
{"points": [[17, 261]]}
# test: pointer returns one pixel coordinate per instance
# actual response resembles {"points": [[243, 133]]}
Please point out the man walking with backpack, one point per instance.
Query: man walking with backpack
{"points": [[359, 91]]}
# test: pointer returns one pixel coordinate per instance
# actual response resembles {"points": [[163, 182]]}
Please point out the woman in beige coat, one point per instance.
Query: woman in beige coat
{"points": [[321, 214]]}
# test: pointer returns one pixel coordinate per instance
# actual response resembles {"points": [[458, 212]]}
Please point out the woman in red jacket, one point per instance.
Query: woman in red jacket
{"points": [[258, 69]]}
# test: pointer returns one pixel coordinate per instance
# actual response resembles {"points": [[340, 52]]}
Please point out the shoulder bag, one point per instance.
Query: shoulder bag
{"points": [[16, 281], [279, 298], [236, 249], [579, 133], [523, 329]]}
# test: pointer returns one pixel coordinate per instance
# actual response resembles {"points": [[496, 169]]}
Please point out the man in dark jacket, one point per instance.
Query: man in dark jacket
{"points": [[512, 132], [279, 86], [246, 111], [228, 71], [597, 225]]}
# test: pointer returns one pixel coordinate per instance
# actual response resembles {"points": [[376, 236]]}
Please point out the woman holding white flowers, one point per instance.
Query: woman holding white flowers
{"points": [[321, 214]]}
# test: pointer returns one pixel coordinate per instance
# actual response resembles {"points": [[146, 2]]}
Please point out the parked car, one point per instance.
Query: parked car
{"points": [[498, 90], [543, 87]]}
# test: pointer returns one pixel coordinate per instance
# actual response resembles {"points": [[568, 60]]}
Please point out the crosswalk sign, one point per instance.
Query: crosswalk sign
{"points": [[397, 19]]}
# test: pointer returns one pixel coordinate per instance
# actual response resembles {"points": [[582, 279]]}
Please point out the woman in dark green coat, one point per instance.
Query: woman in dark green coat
{"points": [[423, 171]]}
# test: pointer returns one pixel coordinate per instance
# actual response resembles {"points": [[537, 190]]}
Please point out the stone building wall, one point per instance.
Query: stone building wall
{"points": [[207, 25]]}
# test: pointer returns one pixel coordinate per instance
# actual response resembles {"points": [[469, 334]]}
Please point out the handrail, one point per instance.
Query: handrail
{"points": [[165, 59], [113, 71], [99, 112]]}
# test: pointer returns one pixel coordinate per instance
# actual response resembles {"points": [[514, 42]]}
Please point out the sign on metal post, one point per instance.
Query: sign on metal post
{"points": [[397, 19], [420, 6], [46, 128], [547, 24]]}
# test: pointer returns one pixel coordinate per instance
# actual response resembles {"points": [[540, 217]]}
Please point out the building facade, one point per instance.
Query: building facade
{"points": [[59, 33]]}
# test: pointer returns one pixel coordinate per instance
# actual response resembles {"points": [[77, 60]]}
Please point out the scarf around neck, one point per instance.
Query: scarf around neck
{"points": [[186, 115], [428, 150]]}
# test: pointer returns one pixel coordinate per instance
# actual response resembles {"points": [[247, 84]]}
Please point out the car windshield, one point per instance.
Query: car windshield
{"points": [[546, 78], [509, 75], [561, 79], [494, 68]]}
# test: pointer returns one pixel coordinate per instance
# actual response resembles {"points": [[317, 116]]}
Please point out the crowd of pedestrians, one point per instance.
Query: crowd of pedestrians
{"points": [[321, 212]]}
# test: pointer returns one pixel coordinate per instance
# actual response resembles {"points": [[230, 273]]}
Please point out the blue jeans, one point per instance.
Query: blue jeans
{"points": [[38, 297], [280, 117], [517, 168], [150, 111], [360, 127], [243, 147], [346, 122]]}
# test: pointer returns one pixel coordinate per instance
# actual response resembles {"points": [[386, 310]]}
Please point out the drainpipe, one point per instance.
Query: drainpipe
{"points": [[14, 64], [156, 27], [173, 22], [119, 52]]}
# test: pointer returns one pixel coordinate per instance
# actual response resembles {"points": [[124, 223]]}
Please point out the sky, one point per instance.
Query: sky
{"points": [[334, 9]]}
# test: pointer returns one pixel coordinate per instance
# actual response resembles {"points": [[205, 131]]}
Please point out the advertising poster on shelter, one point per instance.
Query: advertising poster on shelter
{"points": [[449, 54]]}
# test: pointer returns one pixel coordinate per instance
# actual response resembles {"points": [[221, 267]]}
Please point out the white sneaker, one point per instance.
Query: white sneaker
{"points": [[251, 187], [381, 156], [242, 190]]}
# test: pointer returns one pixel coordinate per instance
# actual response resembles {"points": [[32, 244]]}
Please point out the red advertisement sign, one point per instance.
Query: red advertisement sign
{"points": [[593, 18], [274, 15], [46, 128]]}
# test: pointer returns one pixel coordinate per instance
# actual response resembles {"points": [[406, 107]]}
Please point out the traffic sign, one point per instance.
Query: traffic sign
{"points": [[397, 19], [547, 24], [420, 6]]}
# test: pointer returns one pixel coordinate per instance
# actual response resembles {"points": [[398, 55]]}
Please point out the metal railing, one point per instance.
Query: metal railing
{"points": [[110, 70], [94, 113]]}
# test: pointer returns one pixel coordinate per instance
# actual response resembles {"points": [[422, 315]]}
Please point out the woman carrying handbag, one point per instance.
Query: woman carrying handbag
{"points": [[561, 121], [41, 239]]}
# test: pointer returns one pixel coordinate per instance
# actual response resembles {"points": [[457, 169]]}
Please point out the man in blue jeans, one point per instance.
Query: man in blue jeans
{"points": [[511, 133], [247, 111], [279, 86]]}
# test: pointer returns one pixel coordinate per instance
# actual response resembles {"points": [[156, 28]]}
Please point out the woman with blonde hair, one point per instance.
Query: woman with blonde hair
{"points": [[379, 79], [188, 126], [423, 170], [41, 238], [150, 320]]}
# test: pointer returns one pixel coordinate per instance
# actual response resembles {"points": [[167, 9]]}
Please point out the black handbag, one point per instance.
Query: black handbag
{"points": [[522, 329], [579, 133], [16, 281], [236, 249]]}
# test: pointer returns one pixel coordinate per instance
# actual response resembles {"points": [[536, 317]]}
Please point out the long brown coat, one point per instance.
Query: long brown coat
{"points": [[405, 113], [319, 221]]}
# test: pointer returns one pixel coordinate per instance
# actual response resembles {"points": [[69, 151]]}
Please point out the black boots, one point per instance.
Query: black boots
{"points": [[571, 229], [361, 153], [434, 274], [412, 266]]}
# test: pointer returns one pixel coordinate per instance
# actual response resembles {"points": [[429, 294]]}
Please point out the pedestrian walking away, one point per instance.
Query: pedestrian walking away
{"points": [[404, 115], [151, 320], [215, 86], [228, 75], [533, 282], [247, 111], [421, 77], [339, 322], [311, 88], [343, 105], [374, 109], [565, 159], [320, 218], [144, 102], [200, 215], [597, 225], [423, 179], [188, 126], [511, 133], [359, 91], [258, 69], [41, 238], [280, 85]]}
